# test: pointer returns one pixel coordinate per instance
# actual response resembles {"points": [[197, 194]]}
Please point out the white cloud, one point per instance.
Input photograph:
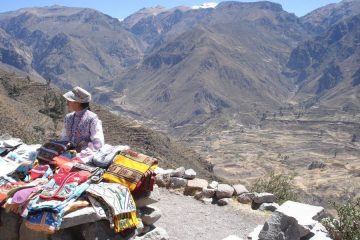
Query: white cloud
{"points": [[205, 5]]}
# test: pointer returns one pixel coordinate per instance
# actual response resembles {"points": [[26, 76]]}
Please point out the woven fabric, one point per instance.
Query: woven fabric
{"points": [[129, 168], [120, 201]]}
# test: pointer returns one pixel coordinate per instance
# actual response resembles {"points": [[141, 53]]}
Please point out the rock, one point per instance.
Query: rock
{"points": [[207, 200], [176, 182], [232, 237], [208, 193], [305, 214], [98, 230], [264, 198], [190, 174], [155, 234], [316, 164], [194, 186], [159, 170], [198, 196], [224, 191], [179, 172], [291, 221], [213, 185], [64, 234], [269, 207], [152, 197], [10, 224], [280, 226], [239, 189], [245, 198], [319, 232], [254, 235], [28, 234], [149, 215], [80, 216], [224, 201], [163, 180]]}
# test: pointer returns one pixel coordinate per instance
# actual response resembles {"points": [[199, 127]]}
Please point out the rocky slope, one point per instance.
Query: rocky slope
{"points": [[34, 112], [70, 46]]}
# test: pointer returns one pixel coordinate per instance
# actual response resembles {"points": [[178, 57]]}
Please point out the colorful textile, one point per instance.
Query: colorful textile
{"points": [[129, 168], [119, 201], [146, 183], [7, 187], [41, 171], [51, 149], [63, 184], [47, 215], [44, 221], [104, 157]]}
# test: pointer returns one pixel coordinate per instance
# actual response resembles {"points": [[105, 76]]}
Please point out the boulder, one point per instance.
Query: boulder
{"points": [[150, 198], [239, 189], [98, 230], [10, 224], [213, 185], [80, 216], [319, 232], [269, 207], [224, 201], [149, 215], [179, 172], [280, 226], [176, 182], [194, 186], [316, 164], [305, 214], [28, 234], [245, 198], [292, 220], [155, 234], [254, 235], [163, 180], [264, 198], [224, 191], [190, 174], [208, 193]]}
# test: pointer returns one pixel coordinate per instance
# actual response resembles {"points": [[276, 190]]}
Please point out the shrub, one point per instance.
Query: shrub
{"points": [[278, 184], [347, 225]]}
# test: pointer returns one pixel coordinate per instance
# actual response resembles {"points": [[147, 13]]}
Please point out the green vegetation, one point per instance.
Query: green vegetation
{"points": [[278, 184], [347, 225]]}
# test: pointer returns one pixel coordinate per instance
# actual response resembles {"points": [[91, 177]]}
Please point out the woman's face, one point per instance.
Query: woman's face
{"points": [[73, 106]]}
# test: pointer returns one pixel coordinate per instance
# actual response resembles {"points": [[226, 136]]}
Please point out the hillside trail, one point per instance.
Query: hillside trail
{"points": [[185, 218]]}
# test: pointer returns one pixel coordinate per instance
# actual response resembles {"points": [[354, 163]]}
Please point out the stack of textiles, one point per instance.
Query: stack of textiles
{"points": [[133, 170], [42, 194]]}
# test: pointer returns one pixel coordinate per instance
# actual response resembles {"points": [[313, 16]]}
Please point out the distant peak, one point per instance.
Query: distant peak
{"points": [[205, 5]]}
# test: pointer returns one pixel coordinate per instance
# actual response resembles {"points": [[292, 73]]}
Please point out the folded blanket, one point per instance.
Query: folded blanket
{"points": [[119, 201], [104, 157], [129, 168]]}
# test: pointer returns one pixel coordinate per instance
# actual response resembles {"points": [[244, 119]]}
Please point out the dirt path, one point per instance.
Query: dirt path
{"points": [[185, 218]]}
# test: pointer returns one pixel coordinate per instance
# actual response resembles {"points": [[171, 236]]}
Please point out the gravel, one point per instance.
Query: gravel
{"points": [[186, 218]]}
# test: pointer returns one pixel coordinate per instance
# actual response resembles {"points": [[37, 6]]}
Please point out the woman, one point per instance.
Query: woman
{"points": [[81, 126]]}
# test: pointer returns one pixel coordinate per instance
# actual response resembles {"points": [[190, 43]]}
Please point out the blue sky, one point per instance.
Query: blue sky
{"points": [[123, 8]]}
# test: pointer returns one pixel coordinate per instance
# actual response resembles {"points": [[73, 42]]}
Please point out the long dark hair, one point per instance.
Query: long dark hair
{"points": [[85, 105]]}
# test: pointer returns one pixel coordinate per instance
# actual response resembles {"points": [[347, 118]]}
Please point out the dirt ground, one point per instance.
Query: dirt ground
{"points": [[183, 217]]}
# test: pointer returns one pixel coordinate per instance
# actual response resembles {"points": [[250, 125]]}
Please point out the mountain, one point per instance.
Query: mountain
{"points": [[69, 46], [229, 60], [321, 19], [327, 67], [34, 112]]}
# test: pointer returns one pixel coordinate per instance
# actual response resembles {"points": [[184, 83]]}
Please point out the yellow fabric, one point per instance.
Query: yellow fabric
{"points": [[129, 164], [125, 221]]}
